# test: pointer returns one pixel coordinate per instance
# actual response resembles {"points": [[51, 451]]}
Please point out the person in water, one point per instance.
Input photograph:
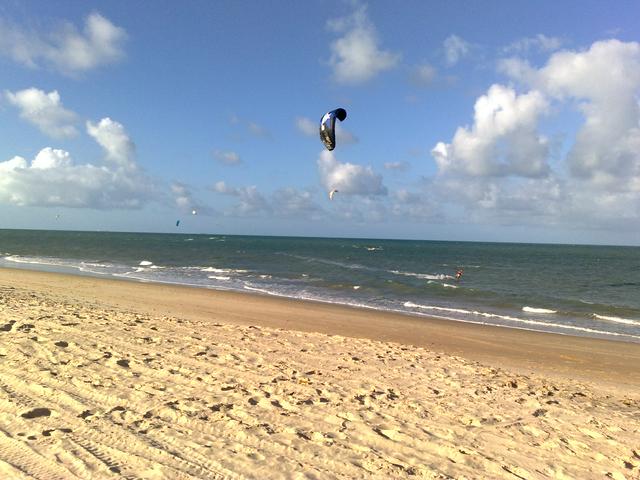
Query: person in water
{"points": [[459, 273]]}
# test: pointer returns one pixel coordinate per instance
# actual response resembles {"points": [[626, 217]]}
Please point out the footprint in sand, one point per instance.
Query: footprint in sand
{"points": [[36, 412], [7, 326]]}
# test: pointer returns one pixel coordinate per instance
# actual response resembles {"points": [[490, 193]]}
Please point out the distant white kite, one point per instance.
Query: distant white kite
{"points": [[332, 193], [193, 212]]}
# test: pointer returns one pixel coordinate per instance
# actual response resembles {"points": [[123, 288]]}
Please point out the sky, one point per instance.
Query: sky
{"points": [[506, 121]]}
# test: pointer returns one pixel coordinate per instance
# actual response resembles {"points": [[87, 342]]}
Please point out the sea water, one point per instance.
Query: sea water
{"points": [[569, 289]]}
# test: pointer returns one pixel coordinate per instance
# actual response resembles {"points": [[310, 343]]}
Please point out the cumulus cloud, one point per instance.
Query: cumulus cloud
{"points": [[182, 195], [52, 178], [539, 42], [291, 202], [284, 202], [455, 48], [65, 49], [45, 111], [250, 200], [112, 136], [310, 128], [503, 139], [356, 56], [605, 81], [51, 158], [185, 200], [227, 157], [596, 184], [222, 187], [348, 178], [416, 205]]}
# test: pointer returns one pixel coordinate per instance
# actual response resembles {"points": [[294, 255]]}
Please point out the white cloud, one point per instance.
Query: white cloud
{"points": [[285, 202], [348, 178], [182, 195], [185, 201], [606, 81], [222, 187], [65, 49], [597, 183], [115, 141], [516, 68], [291, 202], [539, 42], [455, 48], [503, 139], [53, 179], [250, 201], [416, 205], [227, 157], [51, 158], [45, 111], [356, 56]]}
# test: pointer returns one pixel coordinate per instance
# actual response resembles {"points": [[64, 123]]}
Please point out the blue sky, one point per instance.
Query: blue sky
{"points": [[498, 121]]}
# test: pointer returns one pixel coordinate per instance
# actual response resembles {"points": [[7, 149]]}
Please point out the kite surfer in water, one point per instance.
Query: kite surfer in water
{"points": [[459, 273]]}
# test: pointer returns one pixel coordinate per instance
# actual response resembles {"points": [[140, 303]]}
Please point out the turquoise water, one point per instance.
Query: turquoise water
{"points": [[569, 289]]}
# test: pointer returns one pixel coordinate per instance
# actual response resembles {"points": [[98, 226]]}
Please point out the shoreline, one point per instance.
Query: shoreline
{"points": [[613, 363], [554, 328], [554, 319]]}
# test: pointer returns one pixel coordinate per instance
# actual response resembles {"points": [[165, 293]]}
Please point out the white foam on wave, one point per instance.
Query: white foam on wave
{"points": [[316, 299], [538, 310], [219, 277], [223, 270], [625, 321], [262, 290], [145, 263], [356, 287], [524, 321], [424, 276], [87, 267], [433, 307], [92, 264], [32, 260], [446, 285]]}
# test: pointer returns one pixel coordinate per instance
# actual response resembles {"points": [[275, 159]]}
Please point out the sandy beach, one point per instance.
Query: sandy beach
{"points": [[113, 379]]}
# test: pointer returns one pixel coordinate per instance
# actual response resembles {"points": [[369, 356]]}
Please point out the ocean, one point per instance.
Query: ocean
{"points": [[578, 290]]}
